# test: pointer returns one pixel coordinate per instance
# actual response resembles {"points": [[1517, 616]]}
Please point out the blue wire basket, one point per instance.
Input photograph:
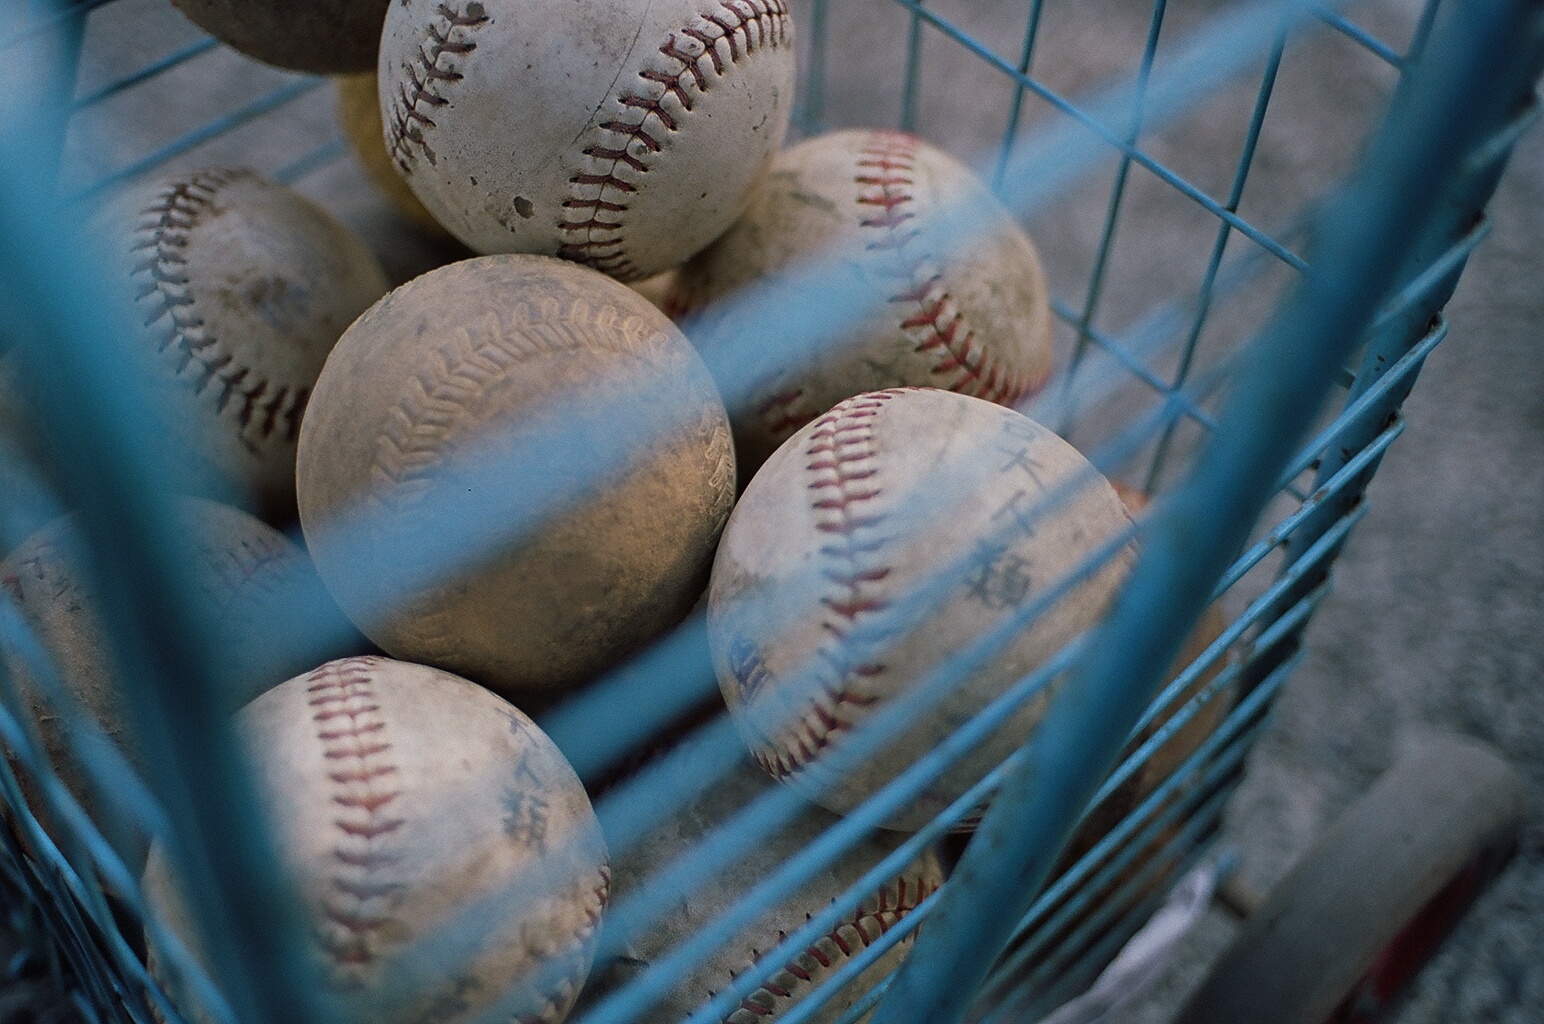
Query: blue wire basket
{"points": [[1194, 362]]}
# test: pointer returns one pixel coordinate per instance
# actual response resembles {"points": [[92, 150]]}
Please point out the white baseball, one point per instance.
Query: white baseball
{"points": [[463, 358], [975, 320], [237, 561], [240, 287], [401, 797], [806, 968], [619, 134], [853, 514]]}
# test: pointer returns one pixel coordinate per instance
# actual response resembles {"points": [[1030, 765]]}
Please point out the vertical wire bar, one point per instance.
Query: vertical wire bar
{"points": [[60, 64], [1422, 33], [912, 85], [1026, 62], [812, 116], [1220, 245], [1112, 214], [72, 347], [1477, 64]]}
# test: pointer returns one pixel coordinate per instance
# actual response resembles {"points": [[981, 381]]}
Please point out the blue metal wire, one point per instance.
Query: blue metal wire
{"points": [[1096, 277], [266, 104], [1220, 244], [1016, 108], [148, 72]]}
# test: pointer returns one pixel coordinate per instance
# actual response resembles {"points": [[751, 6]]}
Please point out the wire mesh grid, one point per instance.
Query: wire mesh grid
{"points": [[1165, 260]]}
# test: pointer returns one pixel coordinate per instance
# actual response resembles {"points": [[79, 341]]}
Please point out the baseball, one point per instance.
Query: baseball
{"points": [[463, 358], [401, 797], [325, 38], [621, 135], [976, 321], [238, 562], [806, 968], [359, 112], [852, 515], [239, 288]]}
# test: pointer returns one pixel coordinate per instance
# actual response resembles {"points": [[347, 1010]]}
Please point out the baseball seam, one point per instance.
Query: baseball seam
{"points": [[592, 228], [160, 247], [439, 395], [432, 64], [559, 999], [807, 969], [886, 170], [419, 424], [354, 747], [843, 464]]}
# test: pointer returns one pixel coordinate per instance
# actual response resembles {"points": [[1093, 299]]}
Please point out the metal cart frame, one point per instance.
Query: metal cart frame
{"points": [[1386, 253]]}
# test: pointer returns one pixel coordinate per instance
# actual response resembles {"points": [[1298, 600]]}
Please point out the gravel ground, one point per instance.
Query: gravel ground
{"points": [[1436, 620]]}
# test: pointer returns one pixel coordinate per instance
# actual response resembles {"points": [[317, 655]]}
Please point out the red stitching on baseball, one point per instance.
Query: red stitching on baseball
{"points": [[841, 460], [342, 698], [743, 26], [887, 167], [862, 930], [163, 236], [560, 996], [783, 415], [409, 119]]}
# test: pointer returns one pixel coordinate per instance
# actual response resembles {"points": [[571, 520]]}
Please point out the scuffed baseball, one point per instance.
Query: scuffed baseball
{"points": [[618, 134], [975, 320], [239, 287], [467, 356], [401, 797], [855, 513], [325, 37], [359, 112], [238, 563], [806, 968]]}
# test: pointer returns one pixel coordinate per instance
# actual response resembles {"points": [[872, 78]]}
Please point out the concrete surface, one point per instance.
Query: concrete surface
{"points": [[1436, 619]]}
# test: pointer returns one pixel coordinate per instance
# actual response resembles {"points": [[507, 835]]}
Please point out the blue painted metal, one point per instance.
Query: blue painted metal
{"points": [[265, 104], [1096, 277], [1439, 117], [141, 75], [1059, 936]]}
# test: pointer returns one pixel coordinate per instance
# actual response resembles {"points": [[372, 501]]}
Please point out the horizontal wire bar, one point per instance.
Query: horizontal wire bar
{"points": [[312, 162], [1108, 135], [1130, 362], [147, 72], [257, 108], [1407, 364], [1348, 28]]}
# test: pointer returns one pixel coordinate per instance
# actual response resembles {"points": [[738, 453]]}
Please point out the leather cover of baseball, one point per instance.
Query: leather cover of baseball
{"points": [[807, 968], [468, 356], [238, 562], [240, 287], [976, 320], [324, 37], [399, 798], [618, 134], [851, 516], [359, 112]]}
